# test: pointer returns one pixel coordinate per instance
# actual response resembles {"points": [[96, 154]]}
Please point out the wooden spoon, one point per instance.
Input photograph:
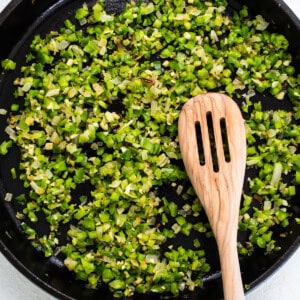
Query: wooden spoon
{"points": [[213, 146]]}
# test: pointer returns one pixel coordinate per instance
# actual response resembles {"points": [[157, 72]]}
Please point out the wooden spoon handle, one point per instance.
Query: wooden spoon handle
{"points": [[231, 274]]}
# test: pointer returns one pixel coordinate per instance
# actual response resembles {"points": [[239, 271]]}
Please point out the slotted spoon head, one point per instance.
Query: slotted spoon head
{"points": [[212, 142]]}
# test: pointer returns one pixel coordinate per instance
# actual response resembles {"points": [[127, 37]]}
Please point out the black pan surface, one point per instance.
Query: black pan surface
{"points": [[19, 22]]}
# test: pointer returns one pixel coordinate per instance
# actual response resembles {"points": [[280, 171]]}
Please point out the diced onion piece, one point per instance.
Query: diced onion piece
{"points": [[8, 197]]}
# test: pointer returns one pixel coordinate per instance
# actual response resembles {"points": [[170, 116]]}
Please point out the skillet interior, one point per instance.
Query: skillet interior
{"points": [[17, 29]]}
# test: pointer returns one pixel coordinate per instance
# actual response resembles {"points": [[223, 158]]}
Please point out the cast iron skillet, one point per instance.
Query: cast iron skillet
{"points": [[19, 22]]}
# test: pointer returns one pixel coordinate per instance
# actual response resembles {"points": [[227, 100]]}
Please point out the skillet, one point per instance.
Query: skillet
{"points": [[17, 29]]}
